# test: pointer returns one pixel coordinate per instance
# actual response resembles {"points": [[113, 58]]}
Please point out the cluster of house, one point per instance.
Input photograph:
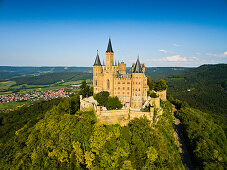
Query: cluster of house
{"points": [[34, 96]]}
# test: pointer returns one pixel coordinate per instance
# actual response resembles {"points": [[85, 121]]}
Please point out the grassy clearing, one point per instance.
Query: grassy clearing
{"points": [[13, 105], [5, 85]]}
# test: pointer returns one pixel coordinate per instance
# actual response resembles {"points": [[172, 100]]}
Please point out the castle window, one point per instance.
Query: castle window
{"points": [[139, 89], [136, 89], [118, 88], [96, 82], [139, 82], [128, 88], [128, 82], [119, 82], [123, 82], [118, 92], [128, 93], [108, 83], [123, 92], [123, 88], [136, 82]]}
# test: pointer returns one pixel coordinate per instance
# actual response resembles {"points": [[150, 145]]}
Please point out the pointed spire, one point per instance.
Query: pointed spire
{"points": [[103, 63], [97, 60], [138, 68], [115, 62], [118, 62], [109, 48]]}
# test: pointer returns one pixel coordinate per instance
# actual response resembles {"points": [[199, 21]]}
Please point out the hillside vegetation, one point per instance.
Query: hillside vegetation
{"points": [[204, 87], [54, 134], [205, 139], [52, 78]]}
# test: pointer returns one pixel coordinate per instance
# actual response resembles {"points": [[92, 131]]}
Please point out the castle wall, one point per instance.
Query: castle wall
{"points": [[155, 101], [122, 89], [162, 95], [86, 106], [121, 116], [113, 116]]}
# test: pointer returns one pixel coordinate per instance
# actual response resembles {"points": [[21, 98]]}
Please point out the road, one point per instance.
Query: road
{"points": [[183, 148]]}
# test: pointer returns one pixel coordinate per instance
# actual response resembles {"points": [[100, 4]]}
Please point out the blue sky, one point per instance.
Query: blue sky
{"points": [[68, 33]]}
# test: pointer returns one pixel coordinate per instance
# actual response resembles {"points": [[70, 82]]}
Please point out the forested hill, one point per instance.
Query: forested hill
{"points": [[8, 72], [204, 87]]}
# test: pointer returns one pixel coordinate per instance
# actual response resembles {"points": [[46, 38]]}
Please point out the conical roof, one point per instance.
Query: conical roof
{"points": [[109, 48], [138, 68], [97, 60]]}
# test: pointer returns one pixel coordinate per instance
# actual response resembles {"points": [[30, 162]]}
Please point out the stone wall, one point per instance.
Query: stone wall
{"points": [[162, 95], [155, 101], [113, 116], [121, 116]]}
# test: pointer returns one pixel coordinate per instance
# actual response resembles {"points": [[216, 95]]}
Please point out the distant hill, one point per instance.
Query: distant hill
{"points": [[8, 72], [204, 87], [51, 78], [161, 72]]}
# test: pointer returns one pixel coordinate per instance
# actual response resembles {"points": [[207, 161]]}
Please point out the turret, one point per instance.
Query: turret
{"points": [[122, 68], [139, 83], [97, 73], [109, 56]]}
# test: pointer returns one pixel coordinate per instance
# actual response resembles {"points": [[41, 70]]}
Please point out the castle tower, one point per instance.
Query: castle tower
{"points": [[139, 86], [97, 75], [110, 71], [109, 56], [122, 68]]}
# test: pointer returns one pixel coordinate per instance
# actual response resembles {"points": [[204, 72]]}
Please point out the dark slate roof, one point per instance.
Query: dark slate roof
{"points": [[97, 61], [138, 68], [109, 48]]}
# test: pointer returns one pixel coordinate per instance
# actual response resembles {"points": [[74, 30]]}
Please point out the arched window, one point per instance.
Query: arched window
{"points": [[108, 84], [96, 82]]}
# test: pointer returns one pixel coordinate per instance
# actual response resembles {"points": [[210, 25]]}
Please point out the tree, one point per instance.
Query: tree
{"points": [[113, 103], [160, 85], [102, 97], [150, 83], [85, 90]]}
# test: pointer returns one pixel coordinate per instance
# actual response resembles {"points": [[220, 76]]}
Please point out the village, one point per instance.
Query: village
{"points": [[36, 95]]}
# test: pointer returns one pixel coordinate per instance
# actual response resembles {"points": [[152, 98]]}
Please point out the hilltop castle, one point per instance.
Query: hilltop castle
{"points": [[131, 88]]}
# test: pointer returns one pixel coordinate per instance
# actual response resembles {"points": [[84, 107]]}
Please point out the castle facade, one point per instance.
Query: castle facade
{"points": [[131, 88]]}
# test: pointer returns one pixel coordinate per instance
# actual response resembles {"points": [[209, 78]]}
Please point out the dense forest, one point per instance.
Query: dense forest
{"points": [[54, 134], [205, 139], [203, 87]]}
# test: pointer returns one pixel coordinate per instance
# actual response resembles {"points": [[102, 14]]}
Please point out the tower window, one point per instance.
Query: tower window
{"points": [[108, 84], [96, 82]]}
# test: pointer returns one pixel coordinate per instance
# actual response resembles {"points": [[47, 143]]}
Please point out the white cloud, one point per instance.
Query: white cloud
{"points": [[175, 58], [176, 45], [163, 51], [218, 55]]}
